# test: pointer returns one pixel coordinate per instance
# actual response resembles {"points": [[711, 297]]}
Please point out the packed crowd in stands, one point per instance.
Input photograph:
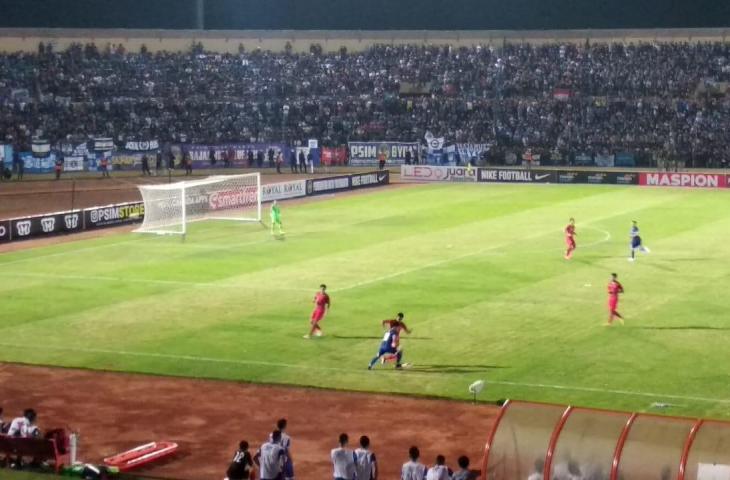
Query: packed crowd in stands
{"points": [[667, 98]]}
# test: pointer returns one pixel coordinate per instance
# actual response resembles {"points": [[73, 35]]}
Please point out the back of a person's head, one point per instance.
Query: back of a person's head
{"points": [[440, 459], [344, 439], [243, 445], [30, 414], [463, 462], [276, 436], [364, 441], [281, 424], [414, 453]]}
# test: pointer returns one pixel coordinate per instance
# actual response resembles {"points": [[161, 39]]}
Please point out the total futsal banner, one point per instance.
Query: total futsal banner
{"points": [[368, 153], [434, 173], [283, 190], [691, 180], [503, 175]]}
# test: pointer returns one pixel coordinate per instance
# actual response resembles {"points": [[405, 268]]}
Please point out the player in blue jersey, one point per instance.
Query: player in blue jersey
{"points": [[636, 241], [390, 345]]}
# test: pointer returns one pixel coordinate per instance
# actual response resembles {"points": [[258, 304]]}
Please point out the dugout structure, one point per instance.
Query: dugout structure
{"points": [[533, 441]]}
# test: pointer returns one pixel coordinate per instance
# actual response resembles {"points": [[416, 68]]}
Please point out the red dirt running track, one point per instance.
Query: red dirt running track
{"points": [[114, 412]]}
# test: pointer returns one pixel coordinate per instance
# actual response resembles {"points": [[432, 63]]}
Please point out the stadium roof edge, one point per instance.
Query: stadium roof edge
{"points": [[419, 35]]}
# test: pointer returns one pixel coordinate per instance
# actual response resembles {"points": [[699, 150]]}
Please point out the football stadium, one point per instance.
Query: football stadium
{"points": [[364, 240]]}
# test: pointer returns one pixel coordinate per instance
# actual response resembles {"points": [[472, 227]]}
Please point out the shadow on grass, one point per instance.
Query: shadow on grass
{"points": [[687, 327], [663, 268], [426, 368], [379, 337]]}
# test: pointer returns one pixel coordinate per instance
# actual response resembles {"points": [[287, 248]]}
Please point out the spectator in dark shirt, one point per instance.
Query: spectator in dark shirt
{"points": [[146, 165], [302, 162], [242, 463]]}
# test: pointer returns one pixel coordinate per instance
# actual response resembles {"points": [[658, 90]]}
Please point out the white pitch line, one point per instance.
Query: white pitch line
{"points": [[615, 392], [104, 278], [457, 258], [194, 358]]}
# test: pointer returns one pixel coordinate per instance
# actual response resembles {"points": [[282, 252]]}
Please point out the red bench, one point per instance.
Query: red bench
{"points": [[39, 449]]}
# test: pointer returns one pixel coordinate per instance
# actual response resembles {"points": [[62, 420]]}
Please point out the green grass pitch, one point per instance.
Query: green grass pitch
{"points": [[477, 269]]}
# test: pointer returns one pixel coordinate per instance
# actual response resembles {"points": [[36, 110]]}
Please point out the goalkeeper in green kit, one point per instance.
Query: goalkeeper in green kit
{"points": [[276, 218]]}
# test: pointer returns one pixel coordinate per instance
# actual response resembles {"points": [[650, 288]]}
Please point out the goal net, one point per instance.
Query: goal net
{"points": [[169, 208]]}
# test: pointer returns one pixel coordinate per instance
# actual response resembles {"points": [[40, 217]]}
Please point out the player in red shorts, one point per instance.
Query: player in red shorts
{"points": [[321, 307], [570, 239], [398, 324], [614, 289]]}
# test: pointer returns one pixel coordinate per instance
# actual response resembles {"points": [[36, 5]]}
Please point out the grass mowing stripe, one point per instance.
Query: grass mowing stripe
{"points": [[192, 358]]}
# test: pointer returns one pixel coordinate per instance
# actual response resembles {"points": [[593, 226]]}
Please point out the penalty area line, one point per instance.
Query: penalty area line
{"points": [[194, 358]]}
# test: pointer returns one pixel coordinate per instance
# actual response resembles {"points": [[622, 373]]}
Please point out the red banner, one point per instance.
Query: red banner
{"points": [[334, 156], [692, 180]]}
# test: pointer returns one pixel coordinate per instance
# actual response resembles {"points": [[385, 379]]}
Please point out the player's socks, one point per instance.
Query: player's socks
{"points": [[646, 250], [621, 320], [318, 333]]}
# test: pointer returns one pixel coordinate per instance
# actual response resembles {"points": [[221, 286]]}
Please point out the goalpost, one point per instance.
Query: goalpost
{"points": [[169, 208]]}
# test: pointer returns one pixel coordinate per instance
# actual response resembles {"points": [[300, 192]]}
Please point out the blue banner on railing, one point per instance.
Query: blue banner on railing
{"points": [[237, 155], [369, 153], [583, 160], [38, 165], [6, 156], [625, 159], [604, 160]]}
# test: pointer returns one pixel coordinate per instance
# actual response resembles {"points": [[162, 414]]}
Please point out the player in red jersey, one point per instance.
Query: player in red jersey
{"points": [[570, 239], [614, 289], [321, 307], [400, 326], [396, 322]]}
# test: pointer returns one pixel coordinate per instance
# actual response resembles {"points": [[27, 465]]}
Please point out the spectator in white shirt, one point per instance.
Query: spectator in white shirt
{"points": [[366, 466], [463, 473], [413, 469], [270, 458], [24, 426], [286, 444], [439, 471], [343, 460]]}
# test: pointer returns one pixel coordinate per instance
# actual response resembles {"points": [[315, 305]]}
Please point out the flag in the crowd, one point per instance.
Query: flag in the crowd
{"points": [[433, 142], [561, 94], [41, 148], [103, 144]]}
